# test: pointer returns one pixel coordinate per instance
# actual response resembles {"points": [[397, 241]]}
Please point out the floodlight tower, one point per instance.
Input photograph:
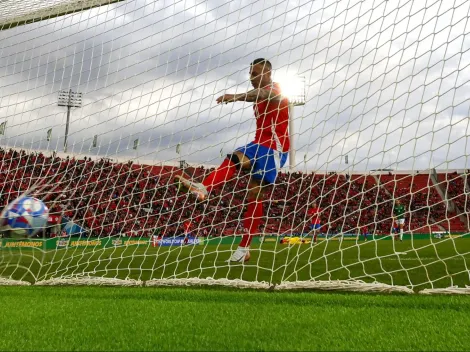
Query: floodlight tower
{"points": [[70, 100], [296, 99]]}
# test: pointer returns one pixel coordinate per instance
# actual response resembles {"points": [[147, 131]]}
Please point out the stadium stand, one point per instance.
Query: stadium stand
{"points": [[107, 198]]}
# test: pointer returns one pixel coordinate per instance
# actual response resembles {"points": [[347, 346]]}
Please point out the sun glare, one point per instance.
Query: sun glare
{"points": [[293, 87]]}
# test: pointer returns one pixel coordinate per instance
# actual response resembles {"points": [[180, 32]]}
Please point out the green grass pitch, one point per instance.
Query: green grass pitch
{"points": [[104, 318], [417, 264], [134, 319]]}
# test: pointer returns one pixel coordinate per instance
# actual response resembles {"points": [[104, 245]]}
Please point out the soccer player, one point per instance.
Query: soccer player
{"points": [[54, 222], [187, 231], [399, 216], [262, 157], [313, 214], [365, 232]]}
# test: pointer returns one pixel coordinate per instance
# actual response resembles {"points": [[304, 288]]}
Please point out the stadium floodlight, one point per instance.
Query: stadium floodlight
{"points": [[293, 87], [69, 99]]}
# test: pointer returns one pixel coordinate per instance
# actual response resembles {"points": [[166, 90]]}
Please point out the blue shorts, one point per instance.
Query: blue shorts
{"points": [[265, 162], [315, 226]]}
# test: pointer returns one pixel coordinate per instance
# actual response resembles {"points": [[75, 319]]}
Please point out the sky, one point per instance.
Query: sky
{"points": [[386, 82]]}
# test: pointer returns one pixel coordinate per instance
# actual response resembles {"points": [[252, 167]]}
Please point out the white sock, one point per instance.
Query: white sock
{"points": [[401, 234]]}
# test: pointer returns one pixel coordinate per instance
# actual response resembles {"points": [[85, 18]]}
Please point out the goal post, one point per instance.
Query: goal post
{"points": [[378, 204], [17, 13], [293, 87]]}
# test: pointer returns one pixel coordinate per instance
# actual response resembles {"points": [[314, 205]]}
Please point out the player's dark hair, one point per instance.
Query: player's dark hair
{"points": [[262, 61]]}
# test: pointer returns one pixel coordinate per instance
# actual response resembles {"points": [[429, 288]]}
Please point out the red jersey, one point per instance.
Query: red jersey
{"points": [[272, 122], [187, 226], [54, 219], [314, 215]]}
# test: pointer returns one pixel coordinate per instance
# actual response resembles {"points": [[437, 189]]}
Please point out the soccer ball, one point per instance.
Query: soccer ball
{"points": [[26, 216]]}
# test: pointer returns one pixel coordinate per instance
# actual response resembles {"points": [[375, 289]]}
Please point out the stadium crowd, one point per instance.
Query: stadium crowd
{"points": [[108, 198]]}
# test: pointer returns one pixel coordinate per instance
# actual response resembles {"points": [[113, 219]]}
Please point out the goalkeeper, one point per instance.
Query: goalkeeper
{"points": [[262, 157]]}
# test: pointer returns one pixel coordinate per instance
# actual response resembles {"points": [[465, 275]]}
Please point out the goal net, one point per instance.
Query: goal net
{"points": [[106, 102], [17, 13]]}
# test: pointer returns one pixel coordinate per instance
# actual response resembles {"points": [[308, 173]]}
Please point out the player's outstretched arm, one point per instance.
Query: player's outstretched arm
{"points": [[257, 94]]}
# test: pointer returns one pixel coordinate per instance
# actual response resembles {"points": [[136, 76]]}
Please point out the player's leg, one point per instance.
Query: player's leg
{"points": [[311, 234], [316, 228], [229, 167], [401, 225], [55, 230], [265, 163], [252, 219]]}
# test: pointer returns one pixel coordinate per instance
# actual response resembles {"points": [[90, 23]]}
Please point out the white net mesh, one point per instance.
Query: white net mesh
{"points": [[16, 13], [380, 116]]}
